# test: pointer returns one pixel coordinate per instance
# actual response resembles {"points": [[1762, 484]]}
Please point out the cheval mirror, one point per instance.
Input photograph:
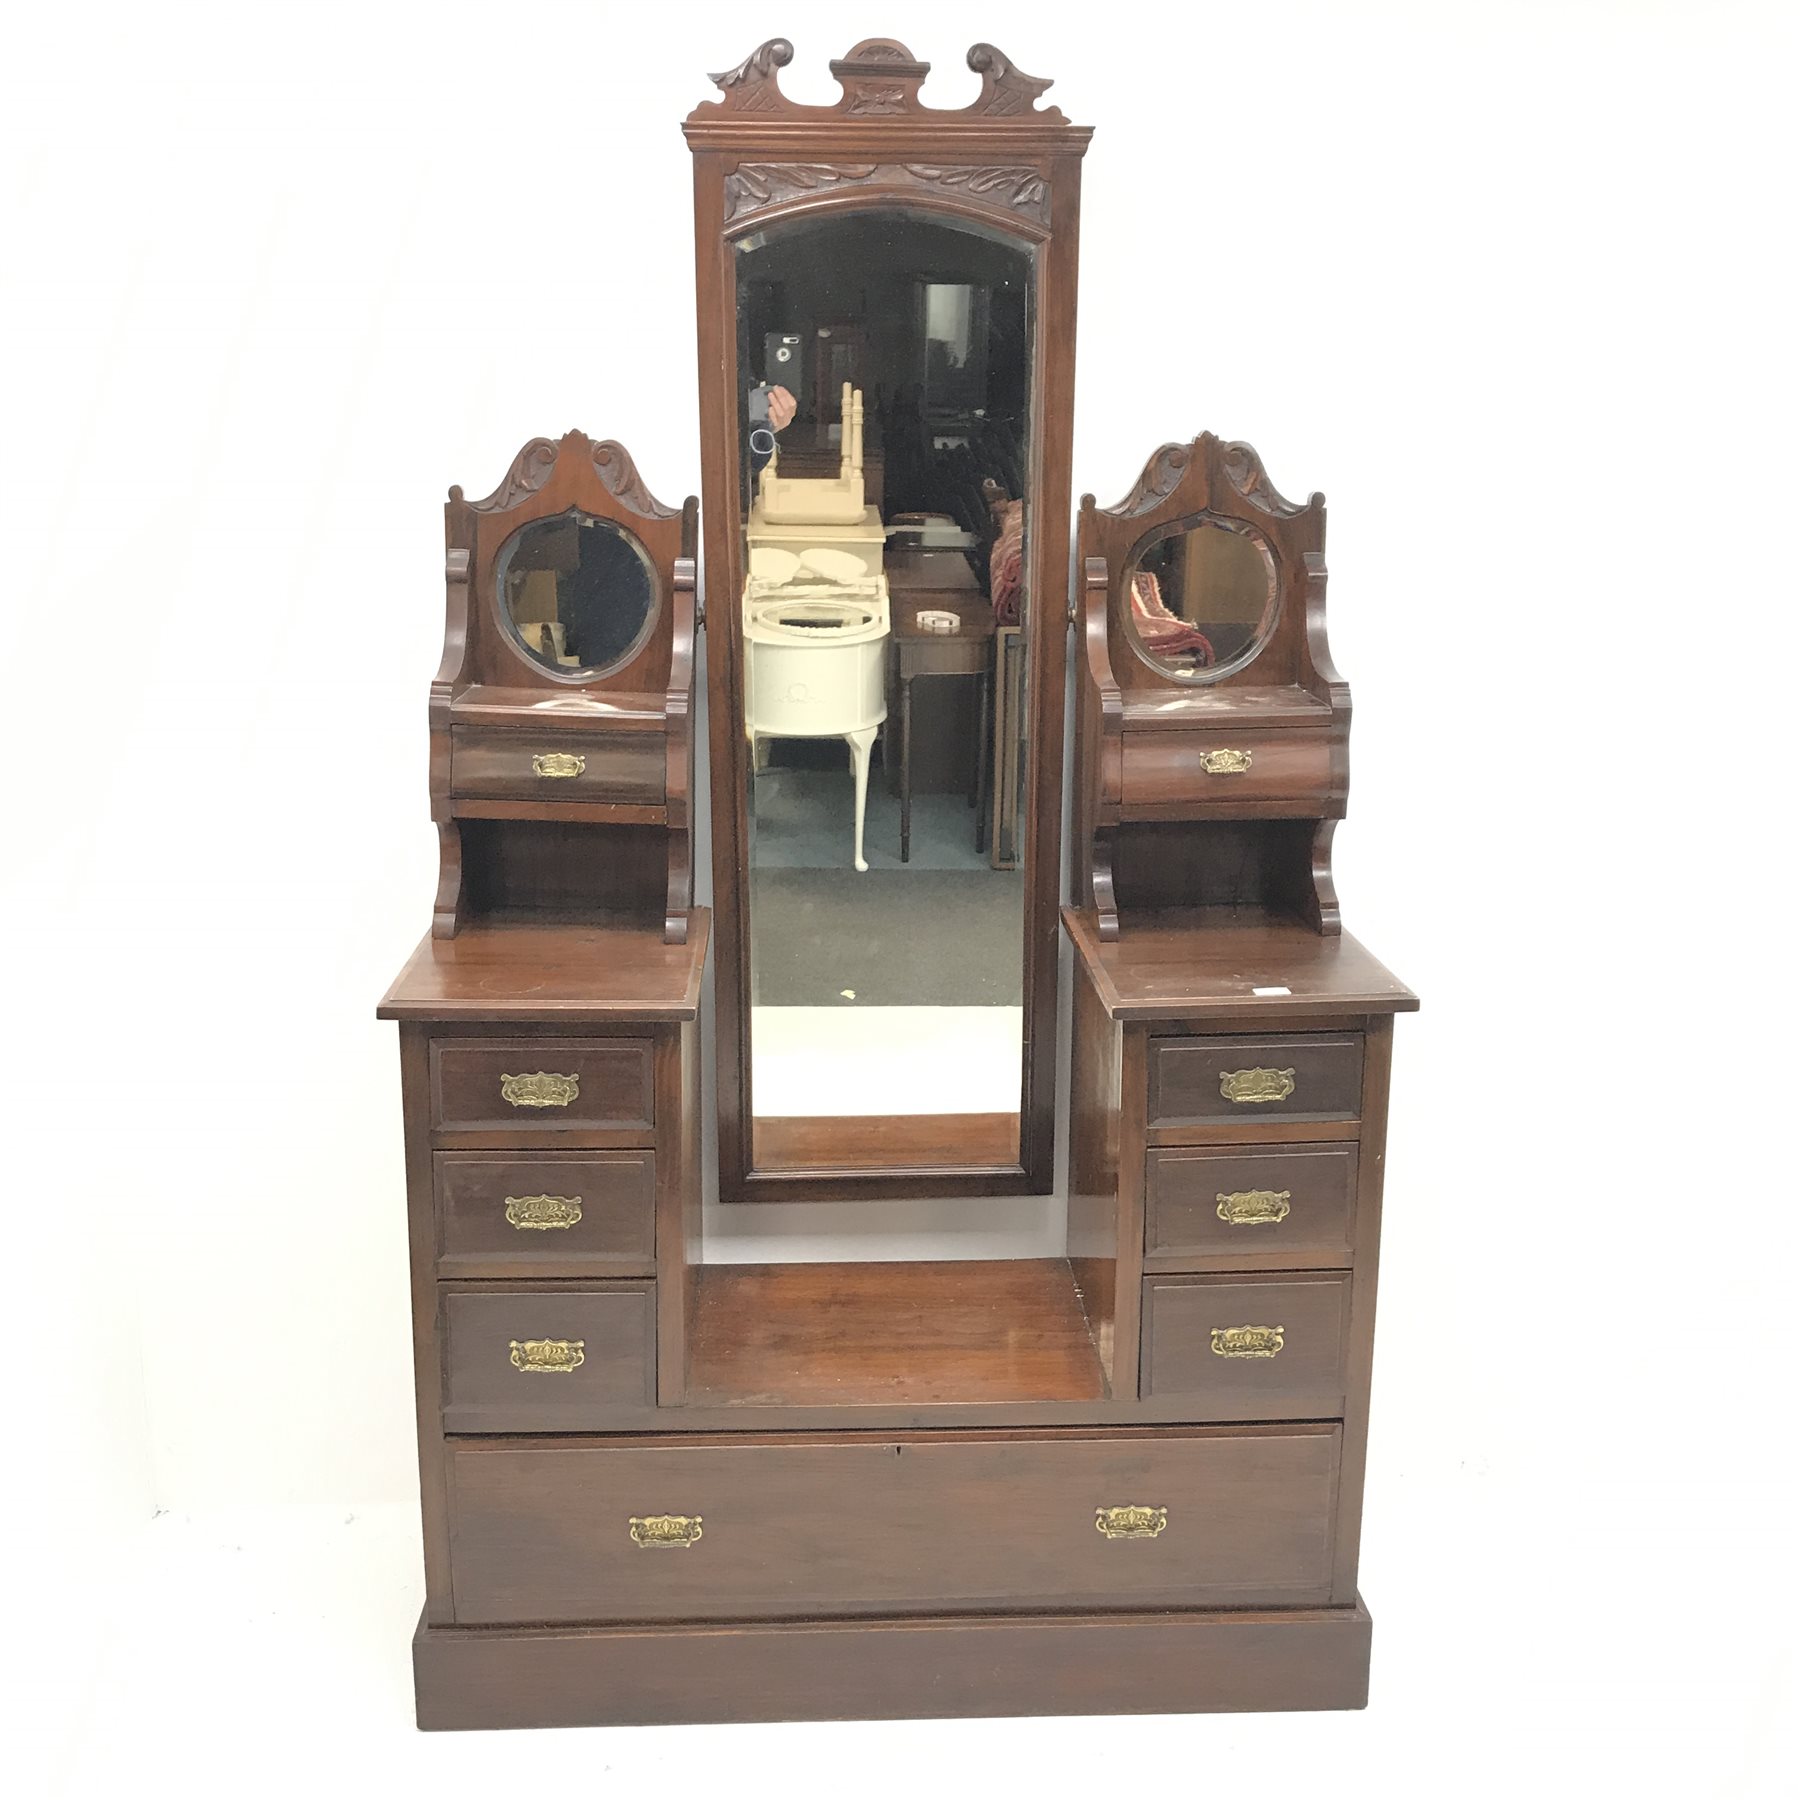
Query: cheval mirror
{"points": [[886, 368]]}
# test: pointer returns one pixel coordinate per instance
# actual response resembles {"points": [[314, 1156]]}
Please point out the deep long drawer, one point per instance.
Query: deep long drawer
{"points": [[830, 1524]]}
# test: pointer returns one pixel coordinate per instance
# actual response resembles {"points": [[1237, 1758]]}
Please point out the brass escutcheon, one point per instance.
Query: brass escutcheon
{"points": [[666, 1531], [1257, 1341], [1253, 1087], [1130, 1521], [541, 1089], [557, 765], [543, 1212], [548, 1356], [1226, 762], [1255, 1206]]}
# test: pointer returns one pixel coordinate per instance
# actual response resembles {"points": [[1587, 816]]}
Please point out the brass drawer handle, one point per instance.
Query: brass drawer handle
{"points": [[1256, 1206], [1258, 1341], [557, 765], [666, 1531], [549, 1356], [1226, 762], [541, 1089], [1130, 1521], [1255, 1087], [543, 1212]]}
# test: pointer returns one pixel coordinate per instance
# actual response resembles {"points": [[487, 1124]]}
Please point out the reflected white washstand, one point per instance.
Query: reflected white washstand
{"points": [[816, 611]]}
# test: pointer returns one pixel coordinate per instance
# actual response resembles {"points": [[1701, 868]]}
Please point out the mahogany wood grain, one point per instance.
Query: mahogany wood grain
{"points": [[499, 764], [899, 1334], [1002, 167], [1300, 1659], [1186, 1190], [827, 1524], [551, 870], [570, 976], [1304, 1380], [428, 1374], [612, 1080], [1378, 1055], [1173, 966], [615, 1383], [613, 1192], [1291, 774], [898, 1142], [1095, 1058], [1188, 1078]]}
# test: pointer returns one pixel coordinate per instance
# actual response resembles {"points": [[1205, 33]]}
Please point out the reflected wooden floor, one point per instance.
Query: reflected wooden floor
{"points": [[886, 1141]]}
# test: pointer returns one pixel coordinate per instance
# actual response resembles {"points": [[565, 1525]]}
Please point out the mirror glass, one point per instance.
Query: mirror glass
{"points": [[576, 592], [885, 372], [1202, 598]]}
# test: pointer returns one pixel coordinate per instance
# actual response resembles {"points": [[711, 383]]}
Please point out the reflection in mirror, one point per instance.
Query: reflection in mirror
{"points": [[1202, 598], [576, 592], [885, 361]]}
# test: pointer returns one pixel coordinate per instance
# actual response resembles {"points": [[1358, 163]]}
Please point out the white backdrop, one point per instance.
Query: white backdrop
{"points": [[1513, 285]]}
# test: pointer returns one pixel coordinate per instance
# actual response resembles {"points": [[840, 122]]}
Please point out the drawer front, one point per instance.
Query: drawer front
{"points": [[1183, 772], [1204, 1080], [502, 1215], [548, 1359], [521, 765], [1294, 1202], [530, 1086], [1247, 1349], [966, 1521]]}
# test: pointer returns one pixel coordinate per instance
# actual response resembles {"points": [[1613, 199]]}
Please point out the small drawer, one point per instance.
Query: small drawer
{"points": [[549, 1359], [830, 1523], [623, 767], [529, 1086], [1180, 773], [1208, 1080], [1291, 1203], [546, 1215], [1247, 1349]]}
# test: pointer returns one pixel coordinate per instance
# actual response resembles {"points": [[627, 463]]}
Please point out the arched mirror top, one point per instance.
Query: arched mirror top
{"points": [[1201, 597], [577, 595]]}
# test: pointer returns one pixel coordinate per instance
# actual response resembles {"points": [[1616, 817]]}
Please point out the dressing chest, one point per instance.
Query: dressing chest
{"points": [[1121, 1474]]}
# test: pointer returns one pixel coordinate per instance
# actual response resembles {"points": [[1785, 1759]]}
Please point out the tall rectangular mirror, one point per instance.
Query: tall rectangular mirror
{"points": [[886, 337]]}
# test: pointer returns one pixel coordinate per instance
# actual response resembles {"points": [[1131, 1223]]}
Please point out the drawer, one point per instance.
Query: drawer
{"points": [[625, 767], [1180, 773], [529, 1086], [829, 1523], [1207, 1080], [548, 1359], [1290, 1203], [1241, 1348], [505, 1215]]}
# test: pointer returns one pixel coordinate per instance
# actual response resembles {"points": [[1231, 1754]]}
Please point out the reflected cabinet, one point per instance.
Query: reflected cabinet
{"points": [[1124, 1477]]}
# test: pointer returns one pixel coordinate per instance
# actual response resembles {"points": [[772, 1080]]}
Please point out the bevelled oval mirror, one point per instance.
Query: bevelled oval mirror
{"points": [[576, 593], [1203, 597]]}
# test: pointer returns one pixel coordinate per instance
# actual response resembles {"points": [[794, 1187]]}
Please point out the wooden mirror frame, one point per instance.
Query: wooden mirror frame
{"points": [[629, 723], [1001, 164]]}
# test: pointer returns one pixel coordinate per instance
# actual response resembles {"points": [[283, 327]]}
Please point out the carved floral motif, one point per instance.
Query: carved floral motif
{"points": [[1025, 189], [752, 186]]}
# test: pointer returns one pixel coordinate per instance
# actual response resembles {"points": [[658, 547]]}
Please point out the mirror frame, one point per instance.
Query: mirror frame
{"points": [[1000, 164]]}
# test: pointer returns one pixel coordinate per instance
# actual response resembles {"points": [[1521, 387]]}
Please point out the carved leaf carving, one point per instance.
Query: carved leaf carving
{"points": [[1162, 475], [1244, 470], [1006, 90], [530, 470], [1024, 189], [753, 185], [760, 65], [613, 464]]}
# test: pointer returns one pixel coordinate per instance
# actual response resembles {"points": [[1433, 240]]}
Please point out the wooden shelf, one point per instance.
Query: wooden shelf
{"points": [[573, 975], [895, 1334], [1209, 962]]}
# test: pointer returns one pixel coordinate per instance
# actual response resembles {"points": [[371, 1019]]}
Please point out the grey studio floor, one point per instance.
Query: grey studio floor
{"points": [[942, 929]]}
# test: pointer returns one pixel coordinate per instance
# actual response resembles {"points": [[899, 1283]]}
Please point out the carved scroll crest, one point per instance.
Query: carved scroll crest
{"points": [[530, 470], [613, 464], [1162, 475], [1244, 470]]}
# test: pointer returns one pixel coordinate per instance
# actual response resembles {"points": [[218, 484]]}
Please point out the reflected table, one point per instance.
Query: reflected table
{"points": [[940, 581]]}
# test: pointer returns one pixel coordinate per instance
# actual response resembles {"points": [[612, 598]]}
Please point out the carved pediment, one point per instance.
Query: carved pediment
{"points": [[881, 79]]}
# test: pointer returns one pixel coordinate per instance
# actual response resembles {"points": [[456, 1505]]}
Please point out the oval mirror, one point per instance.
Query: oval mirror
{"points": [[1202, 599], [576, 592]]}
